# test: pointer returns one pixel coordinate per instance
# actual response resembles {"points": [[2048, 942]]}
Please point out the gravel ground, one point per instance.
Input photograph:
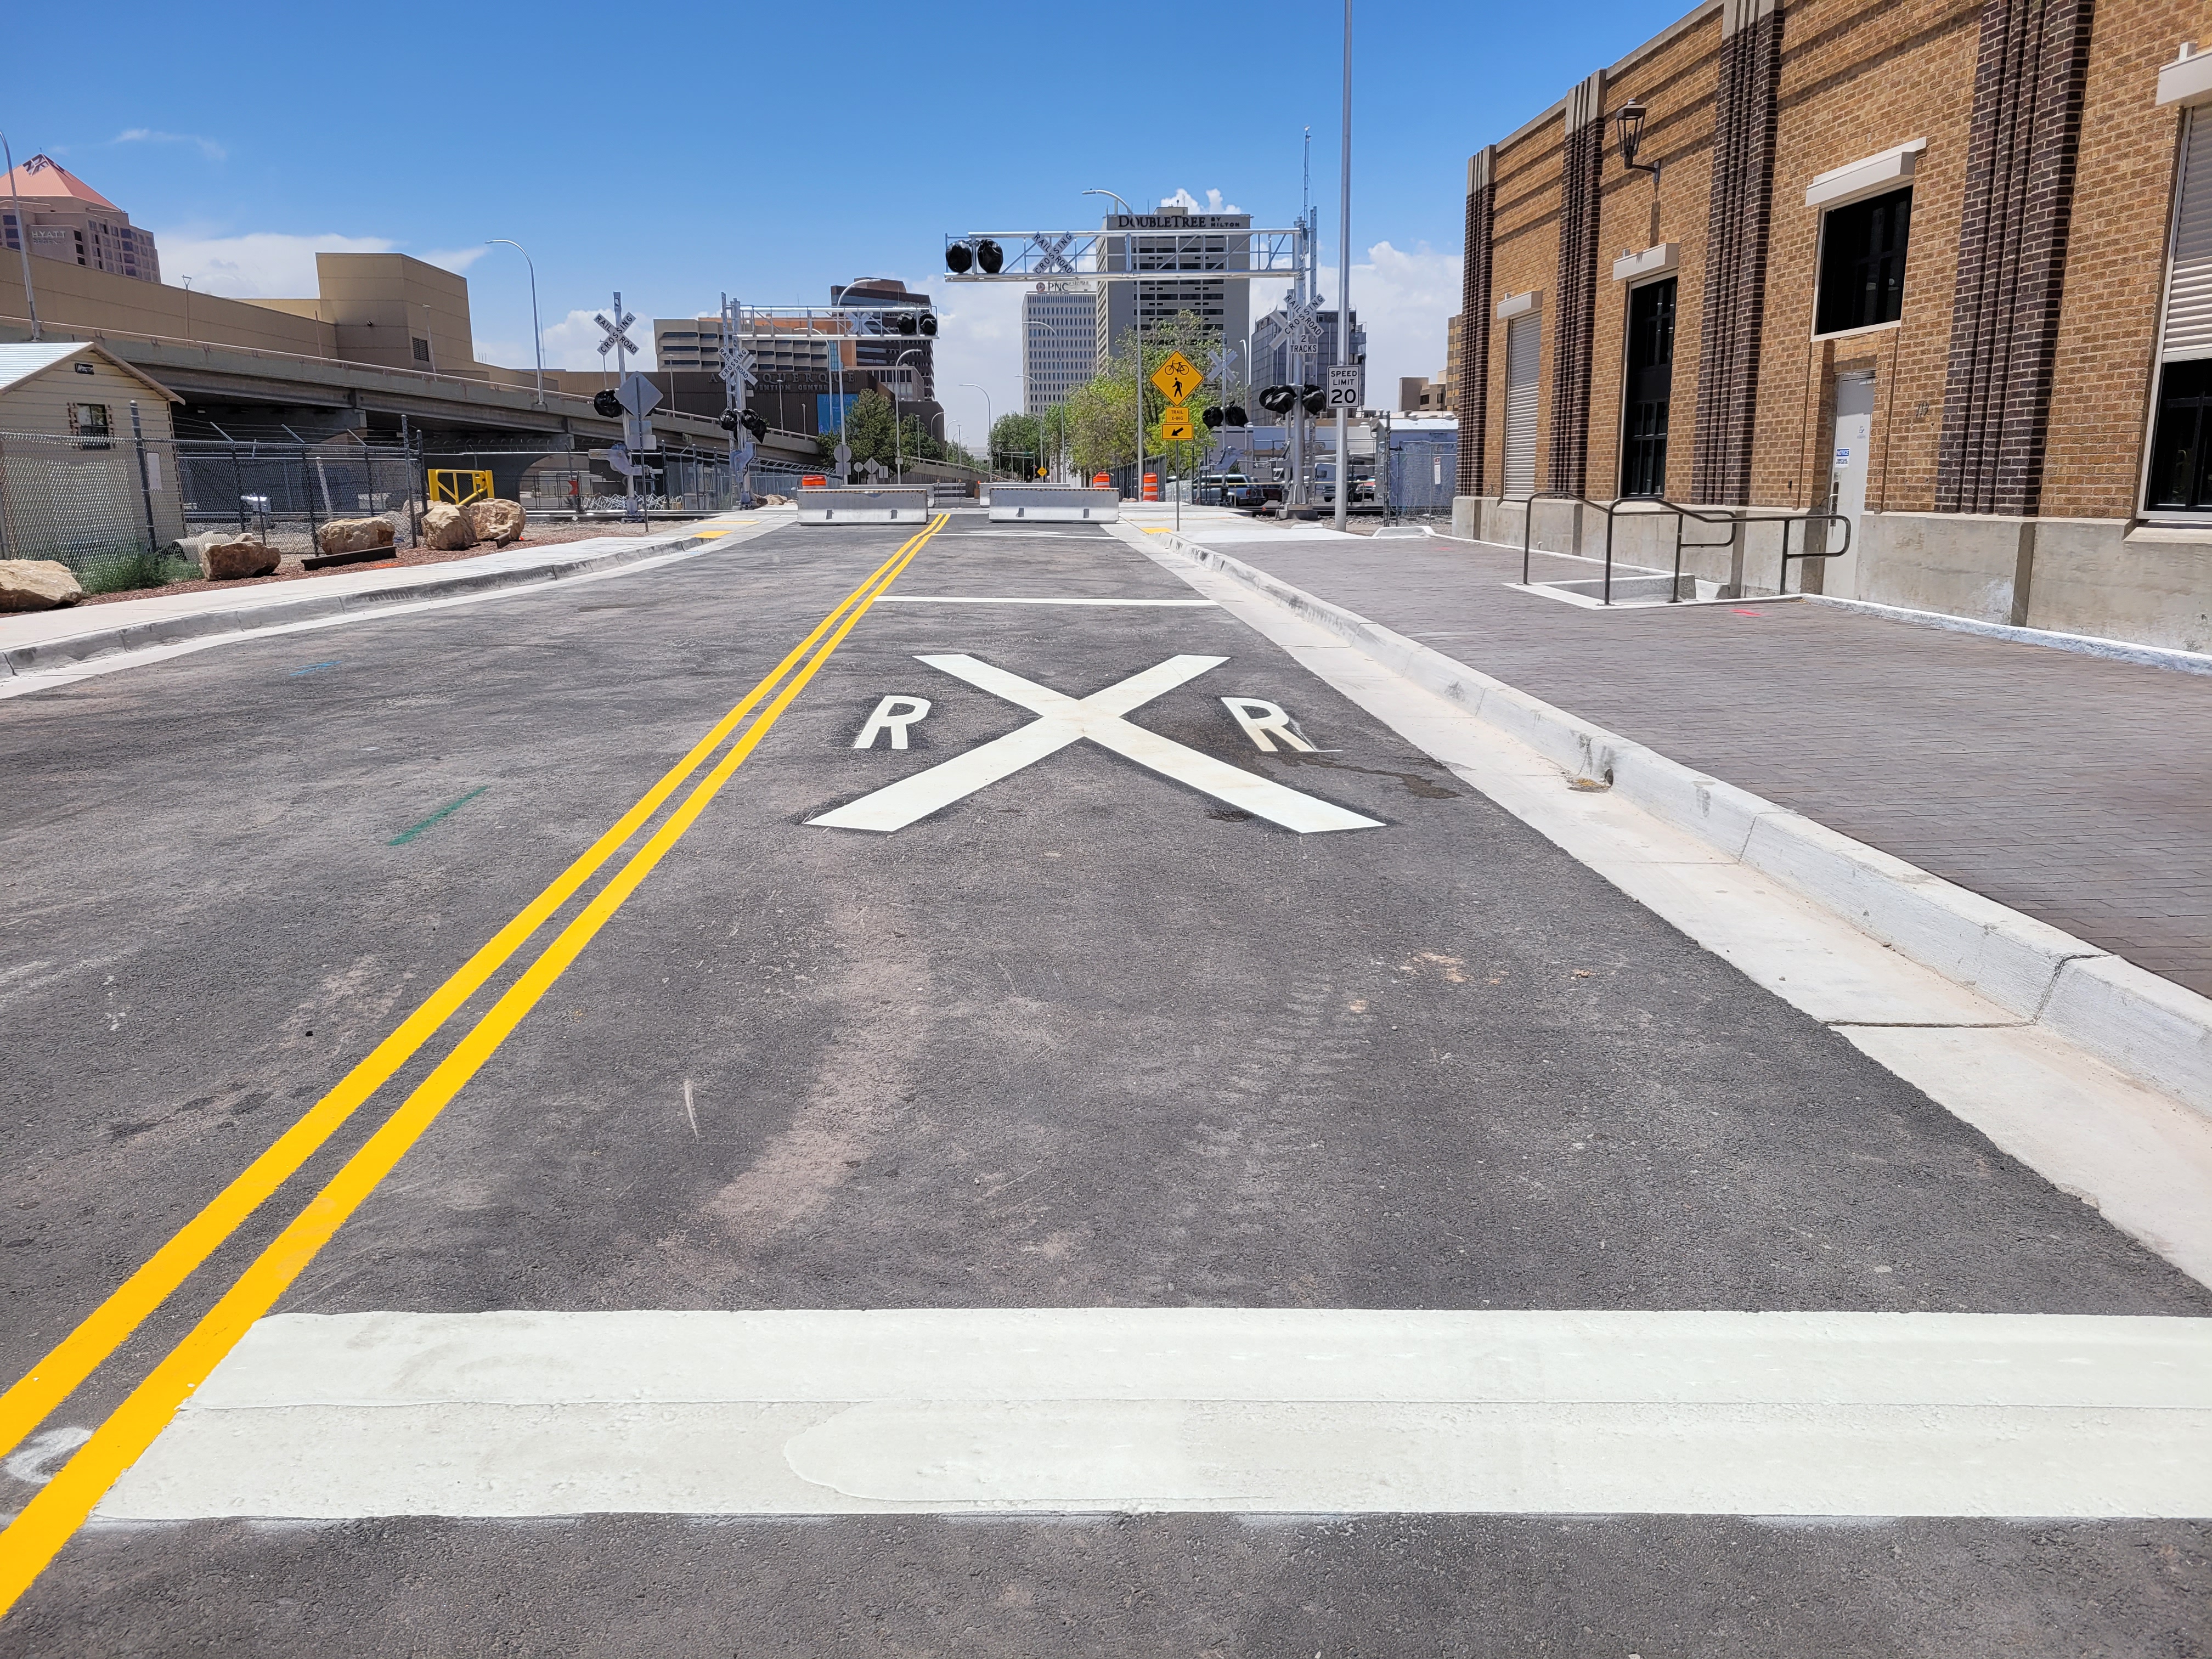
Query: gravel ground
{"points": [[536, 535]]}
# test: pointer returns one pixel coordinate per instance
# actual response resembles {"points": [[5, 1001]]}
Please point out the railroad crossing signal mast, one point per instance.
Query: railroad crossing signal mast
{"points": [[745, 428], [1169, 253], [618, 342], [838, 323]]}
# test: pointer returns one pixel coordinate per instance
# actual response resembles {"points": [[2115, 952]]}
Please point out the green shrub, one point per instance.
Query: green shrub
{"points": [[124, 572]]}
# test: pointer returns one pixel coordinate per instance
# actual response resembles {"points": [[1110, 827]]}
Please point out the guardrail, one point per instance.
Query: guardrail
{"points": [[1652, 504]]}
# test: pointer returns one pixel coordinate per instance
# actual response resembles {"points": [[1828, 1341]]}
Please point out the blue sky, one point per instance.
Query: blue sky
{"points": [[679, 152]]}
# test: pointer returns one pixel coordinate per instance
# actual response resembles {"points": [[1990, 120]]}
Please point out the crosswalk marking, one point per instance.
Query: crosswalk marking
{"points": [[1025, 1411]]}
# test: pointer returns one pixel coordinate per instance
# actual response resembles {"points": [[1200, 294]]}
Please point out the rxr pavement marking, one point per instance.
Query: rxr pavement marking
{"points": [[1063, 720]]}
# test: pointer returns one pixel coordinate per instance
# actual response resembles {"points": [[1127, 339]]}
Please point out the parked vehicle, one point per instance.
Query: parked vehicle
{"points": [[1216, 488], [1324, 486]]}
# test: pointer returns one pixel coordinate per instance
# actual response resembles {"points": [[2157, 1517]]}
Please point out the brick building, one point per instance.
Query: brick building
{"points": [[1941, 266]]}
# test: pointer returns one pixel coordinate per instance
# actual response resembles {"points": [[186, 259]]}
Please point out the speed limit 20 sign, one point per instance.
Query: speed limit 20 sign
{"points": [[1345, 389]]}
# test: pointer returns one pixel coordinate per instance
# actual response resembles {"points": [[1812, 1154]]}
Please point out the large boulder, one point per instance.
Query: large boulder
{"points": [[446, 529], [353, 535], [37, 585], [496, 521], [237, 558]]}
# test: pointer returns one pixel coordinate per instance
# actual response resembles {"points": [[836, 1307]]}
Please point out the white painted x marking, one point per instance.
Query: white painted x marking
{"points": [[1062, 721]]}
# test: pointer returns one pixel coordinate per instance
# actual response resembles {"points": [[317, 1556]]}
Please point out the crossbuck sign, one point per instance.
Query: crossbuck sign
{"points": [[1063, 720]]}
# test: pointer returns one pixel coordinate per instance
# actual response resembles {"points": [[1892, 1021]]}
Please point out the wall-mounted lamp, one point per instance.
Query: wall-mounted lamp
{"points": [[1628, 119]]}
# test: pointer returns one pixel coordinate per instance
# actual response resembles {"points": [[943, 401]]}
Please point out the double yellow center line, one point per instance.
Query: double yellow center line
{"points": [[49, 1520]]}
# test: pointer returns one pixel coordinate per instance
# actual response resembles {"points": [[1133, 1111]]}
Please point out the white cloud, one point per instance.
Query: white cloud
{"points": [[207, 147], [979, 340], [1215, 204], [261, 265], [455, 259], [573, 342], [1403, 300]]}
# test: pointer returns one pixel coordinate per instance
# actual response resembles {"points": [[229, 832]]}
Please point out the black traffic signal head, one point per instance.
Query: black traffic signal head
{"points": [[1279, 399], [1211, 418], [1315, 399], [608, 405], [929, 323], [990, 258], [1235, 416], [958, 255]]}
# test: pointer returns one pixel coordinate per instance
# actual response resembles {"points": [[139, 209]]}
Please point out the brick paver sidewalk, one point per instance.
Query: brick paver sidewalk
{"points": [[2076, 789]]}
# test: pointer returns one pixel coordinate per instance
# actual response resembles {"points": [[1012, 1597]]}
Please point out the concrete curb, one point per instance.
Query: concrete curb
{"points": [[2148, 1027], [139, 637]]}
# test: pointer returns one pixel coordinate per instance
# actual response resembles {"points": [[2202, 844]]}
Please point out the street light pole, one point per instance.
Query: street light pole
{"points": [[1137, 311], [536, 334], [23, 237], [989, 421], [1344, 283], [898, 438]]}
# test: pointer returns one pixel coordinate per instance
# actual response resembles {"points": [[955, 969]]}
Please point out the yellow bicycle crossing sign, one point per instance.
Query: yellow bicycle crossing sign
{"points": [[1177, 378]]}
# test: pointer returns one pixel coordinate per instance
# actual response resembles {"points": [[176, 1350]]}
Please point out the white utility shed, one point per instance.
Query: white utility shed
{"points": [[75, 482]]}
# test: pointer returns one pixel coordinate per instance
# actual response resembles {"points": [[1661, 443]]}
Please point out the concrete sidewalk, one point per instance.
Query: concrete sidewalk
{"points": [[42, 640], [2070, 788]]}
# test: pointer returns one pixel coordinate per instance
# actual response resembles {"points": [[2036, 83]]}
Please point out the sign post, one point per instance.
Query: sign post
{"points": [[638, 398], [622, 345]]}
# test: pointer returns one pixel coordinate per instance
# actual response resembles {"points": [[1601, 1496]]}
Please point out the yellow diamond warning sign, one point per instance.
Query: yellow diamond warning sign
{"points": [[1175, 425], [1178, 377]]}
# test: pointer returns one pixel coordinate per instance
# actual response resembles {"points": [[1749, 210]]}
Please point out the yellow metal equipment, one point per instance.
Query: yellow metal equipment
{"points": [[459, 485]]}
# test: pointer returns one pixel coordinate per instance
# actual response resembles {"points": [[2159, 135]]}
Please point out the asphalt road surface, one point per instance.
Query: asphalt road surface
{"points": [[1231, 1000]]}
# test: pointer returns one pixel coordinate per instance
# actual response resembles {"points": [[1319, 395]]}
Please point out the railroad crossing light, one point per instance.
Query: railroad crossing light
{"points": [[608, 405], [906, 323], [1315, 399], [929, 324], [756, 424], [958, 255], [989, 257], [1236, 415], [1213, 418], [1279, 399]]}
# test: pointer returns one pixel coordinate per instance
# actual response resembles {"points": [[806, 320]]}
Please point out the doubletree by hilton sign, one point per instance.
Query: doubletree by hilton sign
{"points": [[1178, 222]]}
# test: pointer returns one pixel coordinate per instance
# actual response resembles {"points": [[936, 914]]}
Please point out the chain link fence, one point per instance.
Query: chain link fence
{"points": [[284, 496], [92, 501], [87, 501], [95, 500]]}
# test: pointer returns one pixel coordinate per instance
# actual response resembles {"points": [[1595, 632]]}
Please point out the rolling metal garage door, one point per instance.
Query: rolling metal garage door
{"points": [[1524, 343], [2189, 288]]}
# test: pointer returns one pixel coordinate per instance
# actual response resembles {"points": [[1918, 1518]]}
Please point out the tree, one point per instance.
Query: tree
{"points": [[1102, 414], [869, 433], [1026, 443]]}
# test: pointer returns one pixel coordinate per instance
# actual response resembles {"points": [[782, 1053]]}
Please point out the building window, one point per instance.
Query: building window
{"points": [[422, 350], [1862, 263], [2178, 473], [88, 422], [1651, 388]]}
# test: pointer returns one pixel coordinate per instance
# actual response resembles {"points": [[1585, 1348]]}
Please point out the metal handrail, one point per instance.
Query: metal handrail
{"points": [[1682, 515]]}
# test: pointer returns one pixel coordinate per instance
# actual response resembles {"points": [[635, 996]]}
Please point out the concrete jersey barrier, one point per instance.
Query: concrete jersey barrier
{"points": [[856, 504], [1054, 504]]}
